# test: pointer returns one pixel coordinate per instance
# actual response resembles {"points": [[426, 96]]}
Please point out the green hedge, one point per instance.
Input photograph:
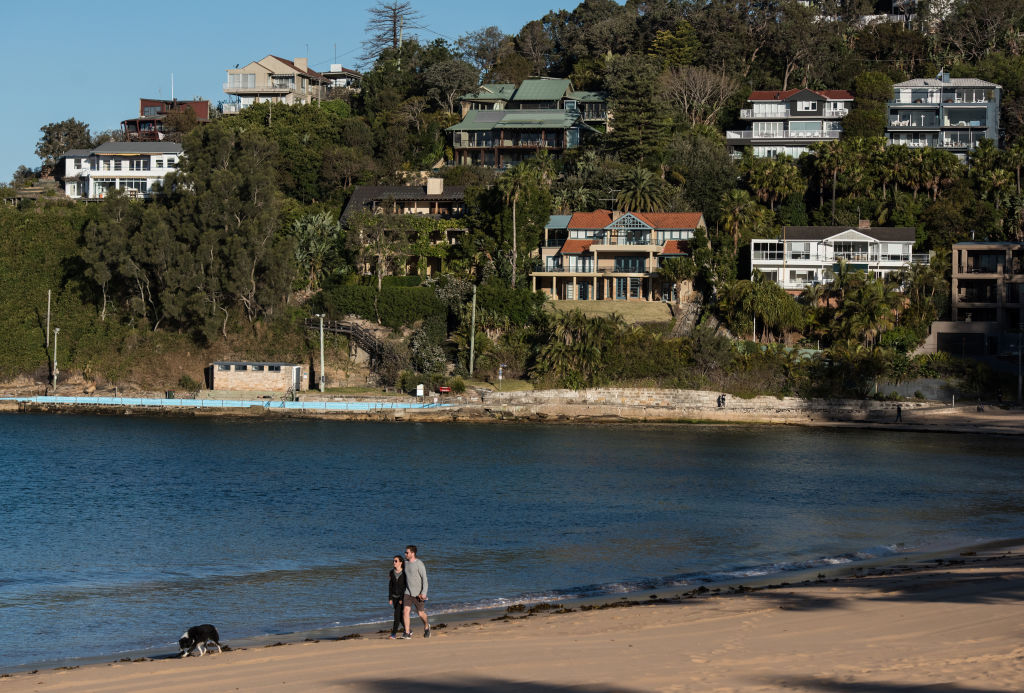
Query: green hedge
{"points": [[520, 305], [397, 305]]}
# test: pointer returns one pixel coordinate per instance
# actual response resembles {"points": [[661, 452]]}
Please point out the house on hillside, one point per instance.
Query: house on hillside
{"points": [[435, 199], [149, 126], [339, 77], [988, 301], [800, 256], [946, 112], [134, 167], [275, 80], [611, 255], [503, 124], [788, 122]]}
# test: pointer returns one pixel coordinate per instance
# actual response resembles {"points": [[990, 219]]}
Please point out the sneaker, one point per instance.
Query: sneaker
{"points": [[426, 632], [392, 637], [405, 636]]}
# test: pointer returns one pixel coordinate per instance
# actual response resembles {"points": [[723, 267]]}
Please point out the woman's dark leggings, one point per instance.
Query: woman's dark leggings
{"points": [[397, 624]]}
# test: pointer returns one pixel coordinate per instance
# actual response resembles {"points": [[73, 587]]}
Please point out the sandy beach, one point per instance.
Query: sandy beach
{"points": [[951, 624]]}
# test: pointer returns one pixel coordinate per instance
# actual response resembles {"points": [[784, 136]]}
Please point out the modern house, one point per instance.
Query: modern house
{"points": [[434, 199], [129, 166], [802, 254], [275, 80], [503, 125], [611, 255], [149, 126], [342, 77], [256, 376], [987, 301], [788, 122], [946, 113]]}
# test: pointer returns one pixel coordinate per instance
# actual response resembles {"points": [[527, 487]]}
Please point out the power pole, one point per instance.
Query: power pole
{"points": [[56, 331], [321, 373], [472, 334]]}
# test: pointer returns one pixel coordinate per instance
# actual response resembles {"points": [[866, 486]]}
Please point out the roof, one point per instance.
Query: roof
{"points": [[879, 233], [138, 148], [253, 363], [307, 71], [364, 195], [559, 221], [675, 248], [953, 82], [576, 246], [658, 220], [542, 90], [830, 94], [589, 96], [491, 92], [531, 119], [77, 152]]}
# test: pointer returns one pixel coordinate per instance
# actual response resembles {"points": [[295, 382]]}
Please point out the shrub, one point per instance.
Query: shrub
{"points": [[395, 306]]}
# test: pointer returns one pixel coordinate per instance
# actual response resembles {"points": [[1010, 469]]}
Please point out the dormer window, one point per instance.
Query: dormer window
{"points": [[806, 106]]}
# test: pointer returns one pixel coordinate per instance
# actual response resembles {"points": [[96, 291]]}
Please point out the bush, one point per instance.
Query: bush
{"points": [[189, 385], [395, 306], [519, 305]]}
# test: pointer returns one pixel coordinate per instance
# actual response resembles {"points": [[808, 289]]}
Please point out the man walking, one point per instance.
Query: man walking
{"points": [[415, 592]]}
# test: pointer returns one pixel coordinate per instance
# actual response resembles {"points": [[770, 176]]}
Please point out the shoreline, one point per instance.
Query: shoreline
{"points": [[840, 573], [604, 405]]}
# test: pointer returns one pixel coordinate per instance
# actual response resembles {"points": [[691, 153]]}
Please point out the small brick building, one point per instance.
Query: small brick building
{"points": [[256, 375]]}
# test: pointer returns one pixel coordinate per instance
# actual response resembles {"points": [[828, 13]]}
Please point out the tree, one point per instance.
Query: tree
{"points": [[676, 47], [448, 80], [698, 92], [869, 115], [511, 184], [642, 118], [318, 238], [482, 48], [640, 191], [60, 137], [391, 22], [677, 270], [379, 241], [740, 215]]}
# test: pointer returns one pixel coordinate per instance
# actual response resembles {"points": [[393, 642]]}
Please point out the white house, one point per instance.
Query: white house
{"points": [[802, 254], [130, 166]]}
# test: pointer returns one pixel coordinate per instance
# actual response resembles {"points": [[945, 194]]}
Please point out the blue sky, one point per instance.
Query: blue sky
{"points": [[93, 62]]}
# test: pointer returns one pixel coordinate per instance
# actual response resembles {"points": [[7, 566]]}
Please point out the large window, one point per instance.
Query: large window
{"points": [[807, 106], [140, 164], [629, 263]]}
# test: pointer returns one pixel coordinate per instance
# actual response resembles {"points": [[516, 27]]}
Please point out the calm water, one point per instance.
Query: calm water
{"points": [[118, 533]]}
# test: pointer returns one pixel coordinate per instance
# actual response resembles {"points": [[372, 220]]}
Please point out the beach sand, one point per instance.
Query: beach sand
{"points": [[955, 625]]}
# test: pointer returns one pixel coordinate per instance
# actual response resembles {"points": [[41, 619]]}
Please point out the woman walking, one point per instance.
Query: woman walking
{"points": [[396, 591]]}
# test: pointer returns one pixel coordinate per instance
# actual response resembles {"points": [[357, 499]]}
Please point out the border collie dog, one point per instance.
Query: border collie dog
{"points": [[196, 637]]}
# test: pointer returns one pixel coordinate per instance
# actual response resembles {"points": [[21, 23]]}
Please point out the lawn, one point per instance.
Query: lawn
{"points": [[631, 311]]}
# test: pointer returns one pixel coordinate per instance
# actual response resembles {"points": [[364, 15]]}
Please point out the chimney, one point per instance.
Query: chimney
{"points": [[302, 64], [864, 224], [435, 186], [945, 76], [617, 214]]}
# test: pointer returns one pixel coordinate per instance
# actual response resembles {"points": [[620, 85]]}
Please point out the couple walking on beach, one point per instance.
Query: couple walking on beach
{"points": [[407, 590]]}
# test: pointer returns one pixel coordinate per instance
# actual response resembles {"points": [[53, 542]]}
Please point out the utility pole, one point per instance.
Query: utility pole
{"points": [[48, 318], [321, 373], [472, 335], [56, 331]]}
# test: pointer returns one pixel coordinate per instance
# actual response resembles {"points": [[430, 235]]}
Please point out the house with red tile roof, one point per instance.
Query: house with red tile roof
{"points": [[609, 255], [275, 80], [788, 122]]}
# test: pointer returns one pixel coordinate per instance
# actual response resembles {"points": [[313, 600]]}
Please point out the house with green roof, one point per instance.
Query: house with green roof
{"points": [[503, 124]]}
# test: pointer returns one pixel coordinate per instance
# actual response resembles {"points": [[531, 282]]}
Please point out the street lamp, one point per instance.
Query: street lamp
{"points": [[56, 331], [321, 373]]}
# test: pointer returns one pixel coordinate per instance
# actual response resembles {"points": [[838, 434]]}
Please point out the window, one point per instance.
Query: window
{"points": [[158, 163], [171, 163], [241, 367], [802, 276], [117, 165], [134, 186], [807, 106], [223, 366], [766, 250], [151, 111], [800, 250], [138, 165], [258, 367], [274, 369], [629, 263]]}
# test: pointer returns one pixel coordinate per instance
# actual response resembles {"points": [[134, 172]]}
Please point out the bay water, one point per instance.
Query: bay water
{"points": [[118, 533]]}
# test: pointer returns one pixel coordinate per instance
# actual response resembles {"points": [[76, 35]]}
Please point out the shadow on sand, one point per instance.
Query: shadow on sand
{"points": [[873, 686], [481, 685]]}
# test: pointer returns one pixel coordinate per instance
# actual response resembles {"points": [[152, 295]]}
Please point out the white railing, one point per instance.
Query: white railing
{"points": [[783, 135], [752, 114], [228, 87]]}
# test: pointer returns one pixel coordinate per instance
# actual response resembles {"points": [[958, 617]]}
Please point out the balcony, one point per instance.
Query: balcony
{"points": [[926, 123], [748, 135], [751, 114], [264, 89]]}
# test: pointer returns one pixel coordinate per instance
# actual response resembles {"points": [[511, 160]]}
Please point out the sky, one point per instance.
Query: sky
{"points": [[94, 62]]}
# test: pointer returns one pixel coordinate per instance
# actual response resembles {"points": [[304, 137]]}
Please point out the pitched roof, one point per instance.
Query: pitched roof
{"points": [[658, 220], [491, 92], [289, 63], [138, 148], [953, 82], [589, 96], [364, 195], [542, 90], [820, 233], [531, 119], [575, 246], [831, 94], [675, 248], [559, 221]]}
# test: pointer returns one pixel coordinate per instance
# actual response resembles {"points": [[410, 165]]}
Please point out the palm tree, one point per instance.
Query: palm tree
{"points": [[870, 309], [640, 191], [828, 162], [739, 213], [938, 168], [1013, 157], [512, 183]]}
